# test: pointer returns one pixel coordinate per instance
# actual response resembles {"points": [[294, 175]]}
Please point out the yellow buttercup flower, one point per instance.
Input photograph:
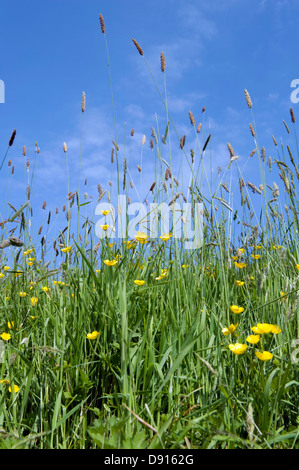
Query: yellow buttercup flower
{"points": [[1, 275], [5, 336], [276, 330], [231, 329], [184, 266], [11, 325], [284, 296], [34, 301], [15, 387], [105, 227], [236, 309], [4, 381], [45, 288], [240, 265], [253, 339], [92, 335], [23, 294], [110, 263], [28, 252], [166, 236], [262, 328], [7, 268], [66, 249], [240, 283], [264, 356], [238, 348], [30, 261], [139, 282], [141, 237], [256, 256], [297, 266], [106, 212]]}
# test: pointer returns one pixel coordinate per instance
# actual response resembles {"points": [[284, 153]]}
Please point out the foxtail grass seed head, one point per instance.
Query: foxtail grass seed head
{"points": [[12, 169], [206, 142], [112, 155], [203, 109], [12, 138], [40, 230], [248, 99], [102, 23], [253, 152], [57, 210], [152, 186], [138, 47], [83, 102], [192, 120], [269, 162], [252, 130], [182, 142], [151, 144], [231, 150], [198, 128], [44, 205], [154, 135], [139, 168], [292, 115], [9, 163], [143, 140], [24, 151], [64, 147], [163, 63], [287, 129], [115, 145], [68, 215], [263, 154], [274, 140], [132, 132]]}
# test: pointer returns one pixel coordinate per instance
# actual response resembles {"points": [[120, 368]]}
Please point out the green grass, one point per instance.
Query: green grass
{"points": [[160, 373]]}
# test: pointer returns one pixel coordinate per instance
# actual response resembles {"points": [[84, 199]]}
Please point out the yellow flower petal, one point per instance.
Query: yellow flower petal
{"points": [[238, 348], [92, 335], [264, 356]]}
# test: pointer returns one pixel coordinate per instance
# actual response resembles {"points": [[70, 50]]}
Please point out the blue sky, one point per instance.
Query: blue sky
{"points": [[54, 50]]}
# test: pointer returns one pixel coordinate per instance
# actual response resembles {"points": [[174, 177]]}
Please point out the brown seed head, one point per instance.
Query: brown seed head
{"points": [[138, 47], [83, 102], [24, 151], [12, 138], [102, 22], [252, 130], [163, 63], [191, 117], [292, 115], [64, 147], [248, 99]]}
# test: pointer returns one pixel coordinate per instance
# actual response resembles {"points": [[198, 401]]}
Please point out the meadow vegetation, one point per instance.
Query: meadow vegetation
{"points": [[140, 343]]}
